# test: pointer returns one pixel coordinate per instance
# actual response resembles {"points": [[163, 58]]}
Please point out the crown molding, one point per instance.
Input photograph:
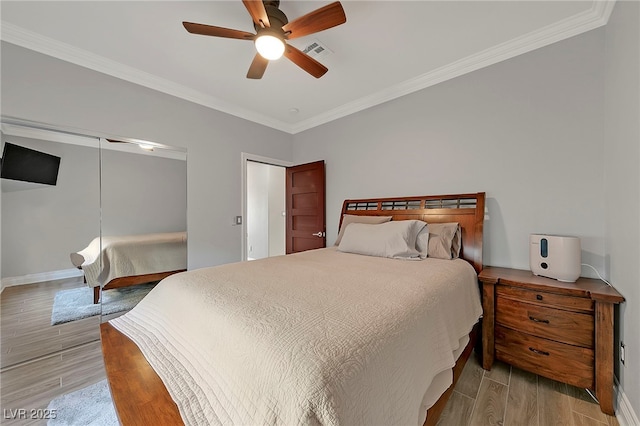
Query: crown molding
{"points": [[24, 38], [28, 129], [49, 135], [597, 16]]}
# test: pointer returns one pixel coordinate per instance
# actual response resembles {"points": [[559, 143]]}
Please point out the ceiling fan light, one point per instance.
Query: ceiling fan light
{"points": [[269, 46]]}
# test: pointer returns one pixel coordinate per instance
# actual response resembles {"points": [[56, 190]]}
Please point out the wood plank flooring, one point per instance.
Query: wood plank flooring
{"points": [[39, 361], [34, 384], [25, 323], [507, 396], [504, 396]]}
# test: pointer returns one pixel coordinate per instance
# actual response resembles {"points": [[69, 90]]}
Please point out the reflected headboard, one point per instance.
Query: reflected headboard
{"points": [[466, 209]]}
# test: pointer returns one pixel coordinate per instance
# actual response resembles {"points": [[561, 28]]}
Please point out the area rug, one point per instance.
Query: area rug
{"points": [[88, 406], [77, 303]]}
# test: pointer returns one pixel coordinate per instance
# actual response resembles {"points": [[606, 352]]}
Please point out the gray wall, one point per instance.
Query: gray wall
{"points": [[40, 88], [41, 226], [528, 131], [622, 180], [142, 194]]}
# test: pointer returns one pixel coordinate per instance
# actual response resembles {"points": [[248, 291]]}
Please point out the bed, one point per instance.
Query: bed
{"points": [[120, 261], [368, 353]]}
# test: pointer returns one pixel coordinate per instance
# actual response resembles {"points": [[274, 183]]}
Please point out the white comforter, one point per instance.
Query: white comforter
{"points": [[129, 255], [319, 337]]}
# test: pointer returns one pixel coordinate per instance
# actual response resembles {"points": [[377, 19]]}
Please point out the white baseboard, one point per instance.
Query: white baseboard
{"points": [[625, 415], [39, 277]]}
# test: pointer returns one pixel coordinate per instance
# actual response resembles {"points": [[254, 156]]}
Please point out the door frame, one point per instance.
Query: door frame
{"points": [[246, 156]]}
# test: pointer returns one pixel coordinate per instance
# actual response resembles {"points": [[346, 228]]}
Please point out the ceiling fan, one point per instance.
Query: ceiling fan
{"points": [[273, 29]]}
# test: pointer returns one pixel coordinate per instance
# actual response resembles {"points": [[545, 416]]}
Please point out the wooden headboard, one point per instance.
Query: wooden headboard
{"points": [[466, 209]]}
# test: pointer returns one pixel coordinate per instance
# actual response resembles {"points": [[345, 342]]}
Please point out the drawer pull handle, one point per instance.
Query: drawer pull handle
{"points": [[534, 319], [539, 296], [539, 352]]}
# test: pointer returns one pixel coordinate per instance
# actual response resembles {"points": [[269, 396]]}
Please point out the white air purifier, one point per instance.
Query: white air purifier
{"points": [[555, 256]]}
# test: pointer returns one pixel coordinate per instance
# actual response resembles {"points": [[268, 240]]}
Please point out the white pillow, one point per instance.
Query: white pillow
{"points": [[354, 218], [395, 239]]}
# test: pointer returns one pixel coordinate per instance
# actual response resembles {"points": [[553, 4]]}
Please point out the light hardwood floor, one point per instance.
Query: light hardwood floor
{"points": [[40, 361], [503, 396], [26, 327], [508, 396]]}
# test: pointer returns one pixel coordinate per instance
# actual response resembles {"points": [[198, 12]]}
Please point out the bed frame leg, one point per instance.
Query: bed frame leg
{"points": [[96, 295]]}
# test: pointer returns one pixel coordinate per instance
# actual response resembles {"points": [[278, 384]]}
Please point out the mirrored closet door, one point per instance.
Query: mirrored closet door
{"points": [[101, 195], [144, 220], [50, 204]]}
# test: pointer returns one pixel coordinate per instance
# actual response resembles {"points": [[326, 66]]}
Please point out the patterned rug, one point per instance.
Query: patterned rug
{"points": [[77, 303], [88, 406]]}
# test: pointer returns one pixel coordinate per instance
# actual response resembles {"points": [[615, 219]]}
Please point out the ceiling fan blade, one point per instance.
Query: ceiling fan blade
{"points": [[210, 30], [258, 67], [258, 12], [305, 61], [321, 19]]}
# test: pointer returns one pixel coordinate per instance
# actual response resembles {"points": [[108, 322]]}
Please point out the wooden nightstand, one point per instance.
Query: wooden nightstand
{"points": [[563, 331]]}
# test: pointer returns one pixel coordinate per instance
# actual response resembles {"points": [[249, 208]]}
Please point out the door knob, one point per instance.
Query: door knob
{"points": [[318, 234]]}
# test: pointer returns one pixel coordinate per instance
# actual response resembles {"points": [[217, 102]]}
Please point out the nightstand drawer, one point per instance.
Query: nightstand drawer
{"points": [[546, 299], [517, 305], [562, 326], [557, 361]]}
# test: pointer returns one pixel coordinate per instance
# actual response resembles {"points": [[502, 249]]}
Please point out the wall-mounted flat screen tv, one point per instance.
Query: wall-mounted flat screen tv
{"points": [[29, 165]]}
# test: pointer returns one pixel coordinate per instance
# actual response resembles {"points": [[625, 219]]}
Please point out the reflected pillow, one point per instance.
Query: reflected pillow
{"points": [[395, 239], [444, 240], [351, 218]]}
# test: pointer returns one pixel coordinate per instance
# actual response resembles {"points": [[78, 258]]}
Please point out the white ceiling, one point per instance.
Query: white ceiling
{"points": [[385, 49]]}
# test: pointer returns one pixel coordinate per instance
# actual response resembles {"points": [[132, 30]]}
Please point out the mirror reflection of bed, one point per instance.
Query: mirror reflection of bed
{"points": [[130, 265], [143, 223]]}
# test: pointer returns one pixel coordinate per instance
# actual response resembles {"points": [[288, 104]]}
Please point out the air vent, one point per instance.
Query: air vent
{"points": [[315, 49]]}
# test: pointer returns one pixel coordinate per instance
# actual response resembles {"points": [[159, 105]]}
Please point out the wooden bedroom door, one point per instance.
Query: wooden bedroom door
{"points": [[305, 194]]}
